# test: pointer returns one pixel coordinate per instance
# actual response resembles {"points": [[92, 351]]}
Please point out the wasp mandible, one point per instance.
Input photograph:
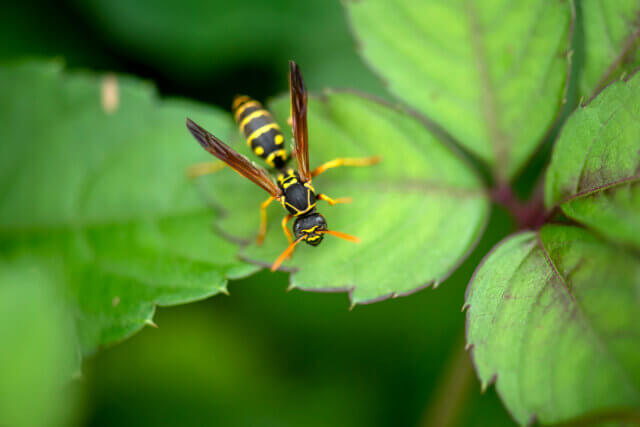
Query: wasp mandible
{"points": [[293, 188]]}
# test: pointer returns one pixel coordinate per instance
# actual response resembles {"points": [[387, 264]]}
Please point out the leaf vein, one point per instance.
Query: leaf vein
{"points": [[587, 325]]}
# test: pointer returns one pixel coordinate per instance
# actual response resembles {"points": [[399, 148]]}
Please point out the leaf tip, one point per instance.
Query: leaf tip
{"points": [[150, 322], [485, 384]]}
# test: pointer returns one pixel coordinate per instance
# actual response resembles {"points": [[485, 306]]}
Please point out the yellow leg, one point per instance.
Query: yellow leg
{"points": [[207, 168], [364, 161], [287, 233], [263, 219], [332, 201]]}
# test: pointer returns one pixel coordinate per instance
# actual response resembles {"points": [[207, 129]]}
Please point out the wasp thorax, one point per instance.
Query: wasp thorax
{"points": [[309, 227]]}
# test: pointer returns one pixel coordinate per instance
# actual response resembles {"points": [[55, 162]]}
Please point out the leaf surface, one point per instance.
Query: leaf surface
{"points": [[418, 212], [38, 355], [491, 73], [595, 169], [103, 197], [553, 320], [611, 30]]}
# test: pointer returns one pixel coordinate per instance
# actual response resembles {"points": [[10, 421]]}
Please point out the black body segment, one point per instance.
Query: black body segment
{"points": [[299, 197], [262, 132]]}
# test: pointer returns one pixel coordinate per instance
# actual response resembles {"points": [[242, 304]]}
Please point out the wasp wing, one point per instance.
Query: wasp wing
{"points": [[299, 117], [236, 161]]}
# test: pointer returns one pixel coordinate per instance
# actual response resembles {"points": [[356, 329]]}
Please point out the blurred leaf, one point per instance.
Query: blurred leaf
{"points": [[418, 212], [38, 355], [611, 30], [191, 39], [26, 28], [267, 357], [455, 399], [217, 369], [491, 73], [104, 198], [595, 168], [553, 321]]}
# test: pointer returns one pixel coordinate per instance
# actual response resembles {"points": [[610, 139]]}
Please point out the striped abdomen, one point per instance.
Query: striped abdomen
{"points": [[262, 132]]}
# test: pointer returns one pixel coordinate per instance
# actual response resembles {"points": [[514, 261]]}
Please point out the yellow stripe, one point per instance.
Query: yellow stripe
{"points": [[287, 184], [299, 212], [261, 131], [246, 120], [309, 186], [244, 106], [239, 100], [273, 155]]}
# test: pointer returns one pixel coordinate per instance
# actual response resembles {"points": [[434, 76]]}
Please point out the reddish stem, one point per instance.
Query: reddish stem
{"points": [[529, 215]]}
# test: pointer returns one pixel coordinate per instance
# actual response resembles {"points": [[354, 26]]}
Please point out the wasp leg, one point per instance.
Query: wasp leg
{"points": [[363, 161], [332, 201], [287, 233], [207, 168], [263, 218]]}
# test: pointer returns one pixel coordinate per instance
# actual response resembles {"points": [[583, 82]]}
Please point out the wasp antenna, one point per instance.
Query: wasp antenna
{"points": [[284, 255], [344, 236]]}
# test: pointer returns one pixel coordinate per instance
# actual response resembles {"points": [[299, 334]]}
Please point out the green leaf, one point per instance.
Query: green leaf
{"points": [[194, 39], [491, 73], [26, 23], [38, 355], [418, 212], [595, 167], [553, 321], [104, 197], [611, 30]]}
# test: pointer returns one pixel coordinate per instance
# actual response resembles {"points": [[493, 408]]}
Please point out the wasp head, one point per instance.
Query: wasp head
{"points": [[310, 228]]}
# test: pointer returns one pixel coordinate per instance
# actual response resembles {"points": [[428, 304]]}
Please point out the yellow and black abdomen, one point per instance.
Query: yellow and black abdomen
{"points": [[262, 132]]}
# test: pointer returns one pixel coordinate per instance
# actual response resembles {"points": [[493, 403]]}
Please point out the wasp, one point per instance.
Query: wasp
{"points": [[293, 189]]}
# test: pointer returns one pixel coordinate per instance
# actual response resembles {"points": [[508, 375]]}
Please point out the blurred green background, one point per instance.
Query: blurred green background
{"points": [[261, 356]]}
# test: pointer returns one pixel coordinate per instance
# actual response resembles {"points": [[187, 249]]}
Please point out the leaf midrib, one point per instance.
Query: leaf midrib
{"points": [[489, 105], [604, 187]]}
